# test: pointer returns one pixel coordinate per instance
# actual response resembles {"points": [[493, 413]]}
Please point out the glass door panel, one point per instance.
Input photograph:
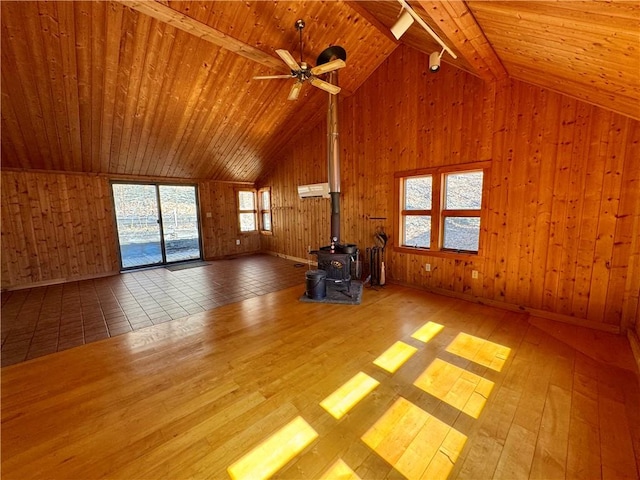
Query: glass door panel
{"points": [[137, 222], [180, 222]]}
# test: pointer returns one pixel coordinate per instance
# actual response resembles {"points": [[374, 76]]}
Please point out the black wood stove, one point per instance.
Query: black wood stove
{"points": [[337, 262]]}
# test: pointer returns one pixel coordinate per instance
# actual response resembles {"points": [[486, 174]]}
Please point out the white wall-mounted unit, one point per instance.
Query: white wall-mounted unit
{"points": [[314, 190]]}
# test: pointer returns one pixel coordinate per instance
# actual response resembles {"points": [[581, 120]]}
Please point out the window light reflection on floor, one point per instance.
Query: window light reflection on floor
{"points": [[349, 394], [480, 351], [395, 356], [272, 454], [456, 386], [415, 443], [427, 331], [339, 471]]}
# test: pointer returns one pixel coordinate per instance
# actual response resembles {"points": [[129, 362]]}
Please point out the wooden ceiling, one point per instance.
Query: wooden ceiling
{"points": [[165, 89]]}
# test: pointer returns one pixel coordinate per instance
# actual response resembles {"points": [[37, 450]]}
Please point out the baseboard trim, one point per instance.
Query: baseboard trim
{"points": [[519, 308], [58, 281], [231, 256]]}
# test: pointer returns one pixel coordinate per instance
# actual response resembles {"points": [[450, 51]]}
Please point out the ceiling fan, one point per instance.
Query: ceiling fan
{"points": [[302, 72]]}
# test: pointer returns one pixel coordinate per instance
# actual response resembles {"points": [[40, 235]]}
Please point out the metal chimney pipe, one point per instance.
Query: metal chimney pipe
{"points": [[333, 159]]}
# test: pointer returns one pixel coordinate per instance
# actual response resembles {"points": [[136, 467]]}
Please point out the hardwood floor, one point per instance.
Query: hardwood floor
{"points": [[476, 392]]}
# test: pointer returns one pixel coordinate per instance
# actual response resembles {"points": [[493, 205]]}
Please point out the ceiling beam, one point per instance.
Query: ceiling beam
{"points": [[364, 13], [456, 21], [165, 14]]}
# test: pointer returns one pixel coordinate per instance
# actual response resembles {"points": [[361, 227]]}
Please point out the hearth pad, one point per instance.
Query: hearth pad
{"points": [[338, 295]]}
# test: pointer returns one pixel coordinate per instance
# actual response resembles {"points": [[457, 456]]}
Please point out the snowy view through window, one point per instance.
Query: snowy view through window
{"points": [[462, 191]]}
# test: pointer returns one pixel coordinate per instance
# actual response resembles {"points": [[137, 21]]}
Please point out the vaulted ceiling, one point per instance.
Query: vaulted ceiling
{"points": [[165, 88]]}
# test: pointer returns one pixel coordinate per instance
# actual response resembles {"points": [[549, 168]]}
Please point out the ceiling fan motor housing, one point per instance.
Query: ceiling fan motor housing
{"points": [[304, 73]]}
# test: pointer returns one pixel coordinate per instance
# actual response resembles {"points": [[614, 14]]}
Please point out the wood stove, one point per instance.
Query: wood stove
{"points": [[337, 264]]}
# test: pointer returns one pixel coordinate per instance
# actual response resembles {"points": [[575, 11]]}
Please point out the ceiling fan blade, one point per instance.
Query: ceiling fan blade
{"points": [[288, 59], [328, 67], [326, 86], [269, 77], [295, 91]]}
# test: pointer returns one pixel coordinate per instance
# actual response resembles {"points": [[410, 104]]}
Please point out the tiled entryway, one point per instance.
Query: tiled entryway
{"points": [[43, 320]]}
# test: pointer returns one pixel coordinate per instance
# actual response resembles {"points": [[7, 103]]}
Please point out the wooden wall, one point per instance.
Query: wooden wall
{"points": [[61, 227], [561, 231], [56, 227], [220, 231]]}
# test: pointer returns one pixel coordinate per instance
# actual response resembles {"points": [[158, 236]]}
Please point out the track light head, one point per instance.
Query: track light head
{"points": [[405, 20], [434, 61]]}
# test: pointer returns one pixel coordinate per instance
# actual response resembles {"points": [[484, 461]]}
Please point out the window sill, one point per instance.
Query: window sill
{"points": [[437, 253]]}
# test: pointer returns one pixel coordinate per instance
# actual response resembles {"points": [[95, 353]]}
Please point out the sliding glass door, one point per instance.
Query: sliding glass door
{"points": [[180, 222], [157, 224]]}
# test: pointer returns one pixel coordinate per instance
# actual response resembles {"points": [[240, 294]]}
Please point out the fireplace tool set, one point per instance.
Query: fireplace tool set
{"points": [[375, 256]]}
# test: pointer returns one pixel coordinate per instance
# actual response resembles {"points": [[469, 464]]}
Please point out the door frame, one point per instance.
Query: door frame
{"points": [[157, 185]]}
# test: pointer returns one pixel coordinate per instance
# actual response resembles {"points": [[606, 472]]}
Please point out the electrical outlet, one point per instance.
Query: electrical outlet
{"points": [[238, 241], [427, 267], [474, 273]]}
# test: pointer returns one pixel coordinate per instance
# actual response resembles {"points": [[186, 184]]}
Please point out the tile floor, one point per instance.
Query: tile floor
{"points": [[43, 320]]}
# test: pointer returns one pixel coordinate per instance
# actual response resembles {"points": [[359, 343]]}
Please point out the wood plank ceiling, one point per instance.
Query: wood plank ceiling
{"points": [[165, 89]]}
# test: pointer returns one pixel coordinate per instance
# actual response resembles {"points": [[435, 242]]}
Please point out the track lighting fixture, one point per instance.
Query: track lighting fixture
{"points": [[434, 61], [402, 24], [405, 20]]}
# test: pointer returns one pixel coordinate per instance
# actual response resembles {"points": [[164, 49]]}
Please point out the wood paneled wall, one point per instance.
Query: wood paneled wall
{"points": [[560, 234], [61, 227], [56, 227], [221, 230]]}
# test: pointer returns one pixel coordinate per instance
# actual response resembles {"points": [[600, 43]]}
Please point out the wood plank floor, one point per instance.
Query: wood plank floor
{"points": [[457, 390]]}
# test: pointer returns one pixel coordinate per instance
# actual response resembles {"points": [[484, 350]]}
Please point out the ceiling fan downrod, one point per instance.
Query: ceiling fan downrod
{"points": [[300, 26]]}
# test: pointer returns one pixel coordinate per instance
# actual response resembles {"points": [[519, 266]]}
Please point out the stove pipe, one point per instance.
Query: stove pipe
{"points": [[333, 160]]}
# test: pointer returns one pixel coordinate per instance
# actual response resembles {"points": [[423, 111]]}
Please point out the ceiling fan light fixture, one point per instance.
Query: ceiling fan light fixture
{"points": [[434, 61], [405, 20]]}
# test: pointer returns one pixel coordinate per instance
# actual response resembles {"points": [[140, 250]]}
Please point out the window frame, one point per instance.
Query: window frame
{"points": [[254, 211], [438, 213], [262, 211]]}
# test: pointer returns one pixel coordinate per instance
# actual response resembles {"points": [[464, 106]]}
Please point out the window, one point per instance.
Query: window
{"points": [[264, 197], [461, 211], [416, 212], [247, 210], [440, 209]]}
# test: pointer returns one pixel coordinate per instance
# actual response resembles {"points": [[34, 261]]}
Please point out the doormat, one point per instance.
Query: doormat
{"points": [[184, 266], [335, 295]]}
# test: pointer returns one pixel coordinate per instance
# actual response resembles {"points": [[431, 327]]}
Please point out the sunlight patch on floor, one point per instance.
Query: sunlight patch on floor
{"points": [[415, 443], [349, 394], [427, 331], [480, 351], [272, 454], [395, 356], [456, 386], [339, 471]]}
